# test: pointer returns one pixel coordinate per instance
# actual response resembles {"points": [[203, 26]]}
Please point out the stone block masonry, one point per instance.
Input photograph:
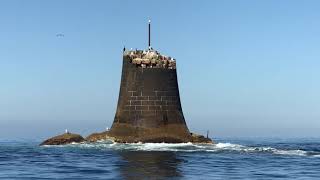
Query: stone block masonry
{"points": [[149, 100]]}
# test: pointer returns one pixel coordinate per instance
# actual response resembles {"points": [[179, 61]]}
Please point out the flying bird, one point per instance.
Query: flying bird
{"points": [[60, 35]]}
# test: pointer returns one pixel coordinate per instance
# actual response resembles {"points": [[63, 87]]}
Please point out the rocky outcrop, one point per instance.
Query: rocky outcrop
{"points": [[62, 139], [94, 137], [196, 138], [172, 133], [68, 138]]}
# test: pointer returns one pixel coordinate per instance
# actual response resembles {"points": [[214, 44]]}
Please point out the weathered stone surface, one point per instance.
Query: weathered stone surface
{"points": [[173, 133], [94, 137], [196, 138], [149, 108], [149, 136], [65, 138]]}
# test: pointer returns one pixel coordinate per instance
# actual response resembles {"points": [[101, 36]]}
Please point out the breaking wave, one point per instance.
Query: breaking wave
{"points": [[190, 147]]}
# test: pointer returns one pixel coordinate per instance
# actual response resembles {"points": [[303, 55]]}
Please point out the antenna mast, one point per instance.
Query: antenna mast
{"points": [[149, 42]]}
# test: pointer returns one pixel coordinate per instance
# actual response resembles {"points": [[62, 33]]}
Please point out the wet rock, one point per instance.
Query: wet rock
{"points": [[196, 138], [94, 137], [62, 139], [169, 133], [68, 138]]}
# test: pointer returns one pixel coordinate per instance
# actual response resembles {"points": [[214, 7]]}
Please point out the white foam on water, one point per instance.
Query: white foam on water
{"points": [[229, 146], [291, 152], [161, 146], [187, 147]]}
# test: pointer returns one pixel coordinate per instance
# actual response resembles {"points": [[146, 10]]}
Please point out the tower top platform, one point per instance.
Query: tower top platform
{"points": [[150, 59]]}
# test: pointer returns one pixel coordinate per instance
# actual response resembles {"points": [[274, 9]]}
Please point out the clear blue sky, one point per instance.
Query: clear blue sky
{"points": [[245, 68]]}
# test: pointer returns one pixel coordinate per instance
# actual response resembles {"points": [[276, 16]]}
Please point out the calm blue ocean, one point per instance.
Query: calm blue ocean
{"points": [[228, 159]]}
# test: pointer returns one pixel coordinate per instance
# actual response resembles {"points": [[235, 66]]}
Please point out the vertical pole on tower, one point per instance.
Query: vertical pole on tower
{"points": [[149, 38]]}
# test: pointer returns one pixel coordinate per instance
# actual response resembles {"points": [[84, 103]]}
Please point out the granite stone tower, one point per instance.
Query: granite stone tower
{"points": [[149, 107]]}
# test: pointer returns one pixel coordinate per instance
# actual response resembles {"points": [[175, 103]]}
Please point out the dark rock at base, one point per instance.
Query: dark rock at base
{"points": [[62, 139], [196, 138], [68, 138], [94, 137], [171, 133]]}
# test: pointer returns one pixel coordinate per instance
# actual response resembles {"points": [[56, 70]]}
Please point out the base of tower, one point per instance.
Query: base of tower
{"points": [[145, 137], [170, 133], [124, 133]]}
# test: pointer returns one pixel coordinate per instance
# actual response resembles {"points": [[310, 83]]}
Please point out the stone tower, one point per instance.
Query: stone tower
{"points": [[149, 107]]}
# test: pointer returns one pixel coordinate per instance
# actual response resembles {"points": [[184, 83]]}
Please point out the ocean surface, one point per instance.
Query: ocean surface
{"points": [[227, 159]]}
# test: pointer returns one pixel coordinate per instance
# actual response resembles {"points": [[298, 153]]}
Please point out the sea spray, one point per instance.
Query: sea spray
{"points": [[190, 147]]}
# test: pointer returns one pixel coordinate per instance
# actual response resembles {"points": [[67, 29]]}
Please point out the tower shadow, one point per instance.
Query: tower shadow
{"points": [[149, 165]]}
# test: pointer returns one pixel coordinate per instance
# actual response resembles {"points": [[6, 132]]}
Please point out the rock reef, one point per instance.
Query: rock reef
{"points": [[66, 138], [196, 138], [101, 136]]}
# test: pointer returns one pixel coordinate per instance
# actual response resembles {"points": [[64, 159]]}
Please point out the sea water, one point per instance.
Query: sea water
{"points": [[227, 159]]}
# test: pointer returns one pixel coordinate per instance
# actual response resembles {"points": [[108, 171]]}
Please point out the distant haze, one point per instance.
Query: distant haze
{"points": [[245, 68]]}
